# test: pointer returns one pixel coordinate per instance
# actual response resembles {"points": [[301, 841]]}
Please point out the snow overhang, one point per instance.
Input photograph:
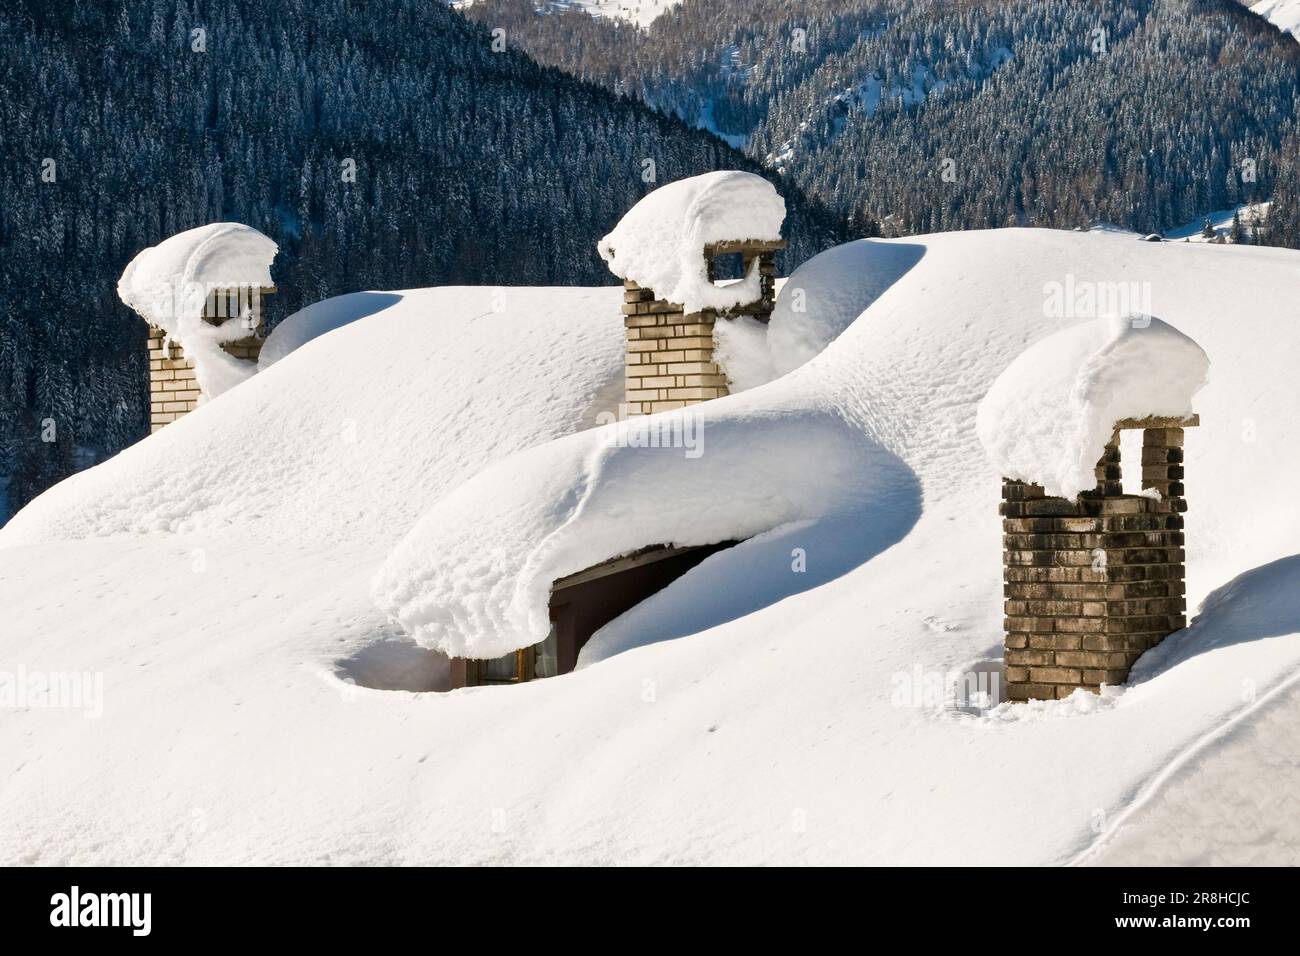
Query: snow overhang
{"points": [[1048, 417], [663, 241]]}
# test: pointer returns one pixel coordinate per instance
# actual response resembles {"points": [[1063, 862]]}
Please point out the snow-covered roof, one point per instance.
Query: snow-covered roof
{"points": [[168, 284], [660, 243], [319, 318], [300, 483], [1048, 417], [826, 294], [474, 575]]}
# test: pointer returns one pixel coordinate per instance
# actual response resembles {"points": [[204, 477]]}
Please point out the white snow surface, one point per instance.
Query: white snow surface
{"points": [[168, 284], [1284, 14], [473, 578], [1231, 801], [295, 331], [388, 404], [258, 707], [660, 243], [827, 293], [1251, 216], [640, 12], [1048, 417], [740, 348]]}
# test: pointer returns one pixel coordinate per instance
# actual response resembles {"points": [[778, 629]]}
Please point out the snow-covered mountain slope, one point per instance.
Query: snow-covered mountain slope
{"points": [[641, 12], [1252, 217], [1284, 14], [217, 576], [863, 100]]}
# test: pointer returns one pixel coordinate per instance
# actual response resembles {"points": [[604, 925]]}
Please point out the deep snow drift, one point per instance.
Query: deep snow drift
{"points": [[659, 244], [473, 578], [390, 415], [827, 293], [774, 704], [169, 283], [296, 330]]}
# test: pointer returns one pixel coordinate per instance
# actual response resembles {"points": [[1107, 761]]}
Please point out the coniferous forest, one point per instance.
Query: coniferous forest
{"points": [[122, 125], [929, 115]]}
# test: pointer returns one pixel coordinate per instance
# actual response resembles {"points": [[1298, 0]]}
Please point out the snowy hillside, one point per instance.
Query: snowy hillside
{"points": [[640, 12], [1253, 219], [1284, 14], [920, 117], [258, 706], [1250, 217], [865, 98]]}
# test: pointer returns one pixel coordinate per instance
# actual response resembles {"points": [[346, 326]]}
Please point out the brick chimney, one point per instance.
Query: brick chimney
{"points": [[1093, 583], [173, 389], [670, 353]]}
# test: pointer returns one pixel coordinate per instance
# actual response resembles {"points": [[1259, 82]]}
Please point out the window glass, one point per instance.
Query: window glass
{"points": [[547, 660], [499, 668]]}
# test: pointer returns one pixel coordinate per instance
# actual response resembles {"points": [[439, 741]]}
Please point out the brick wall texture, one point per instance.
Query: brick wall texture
{"points": [[1093, 583], [173, 389], [670, 353]]}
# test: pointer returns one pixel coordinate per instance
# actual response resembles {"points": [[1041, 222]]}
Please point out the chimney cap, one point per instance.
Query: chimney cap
{"points": [[730, 246], [1159, 421]]}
